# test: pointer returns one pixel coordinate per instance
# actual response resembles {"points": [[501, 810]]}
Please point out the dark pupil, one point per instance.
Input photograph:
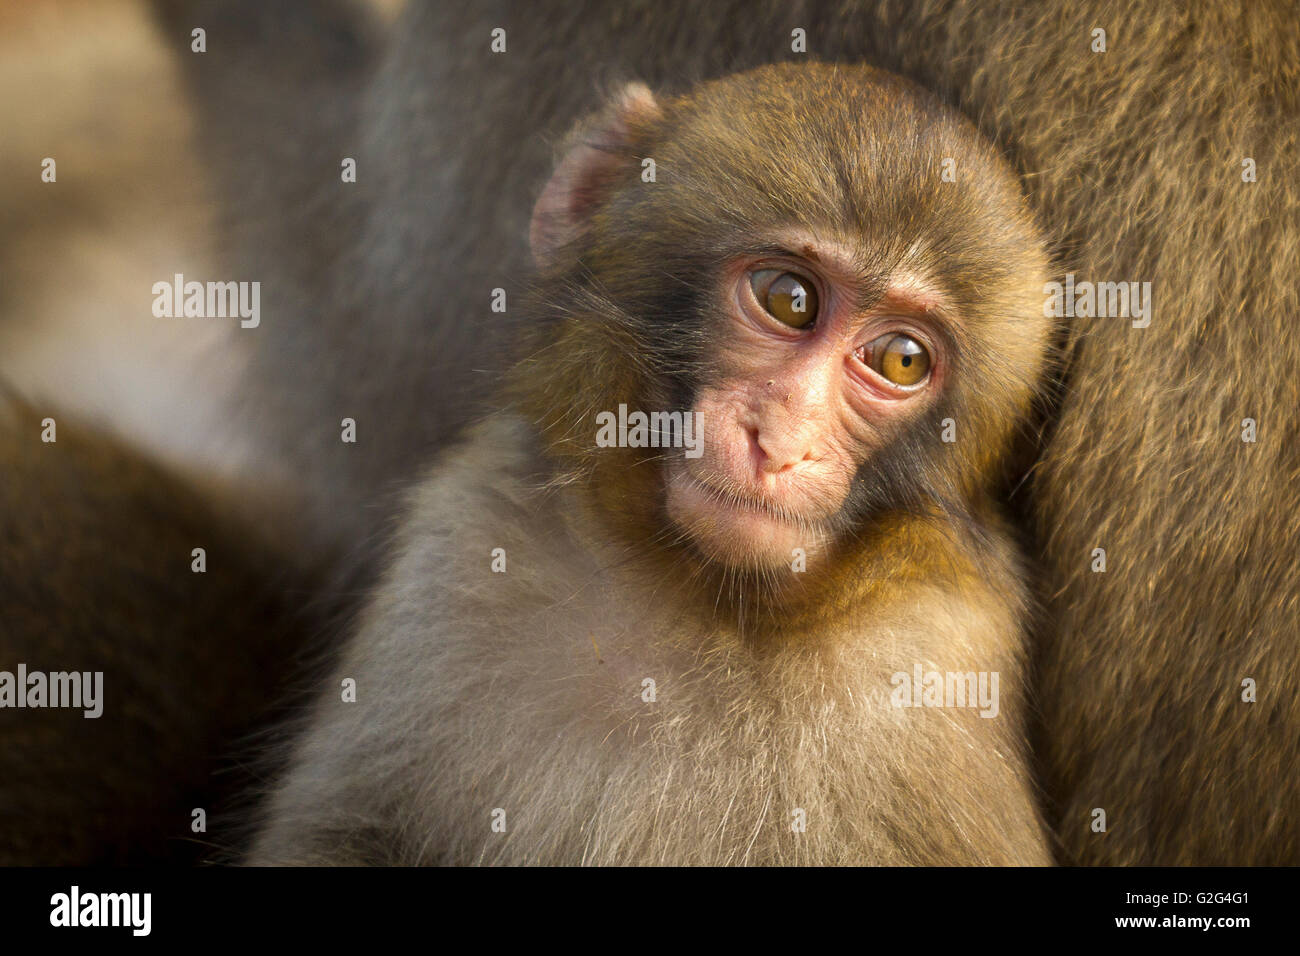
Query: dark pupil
{"points": [[907, 360]]}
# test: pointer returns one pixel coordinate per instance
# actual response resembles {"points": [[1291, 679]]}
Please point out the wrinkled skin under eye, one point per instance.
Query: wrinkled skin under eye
{"points": [[898, 357], [787, 297]]}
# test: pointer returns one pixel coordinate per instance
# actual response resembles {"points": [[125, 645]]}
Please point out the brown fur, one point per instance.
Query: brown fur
{"points": [[95, 576], [1134, 157]]}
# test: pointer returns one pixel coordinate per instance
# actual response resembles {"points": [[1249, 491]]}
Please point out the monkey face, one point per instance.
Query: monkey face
{"points": [[816, 374], [798, 274]]}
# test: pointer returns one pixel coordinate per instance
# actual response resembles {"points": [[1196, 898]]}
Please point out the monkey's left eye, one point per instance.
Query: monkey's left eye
{"points": [[899, 358], [789, 298]]}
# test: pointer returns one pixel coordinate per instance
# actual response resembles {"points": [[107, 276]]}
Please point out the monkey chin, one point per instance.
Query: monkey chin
{"points": [[743, 534]]}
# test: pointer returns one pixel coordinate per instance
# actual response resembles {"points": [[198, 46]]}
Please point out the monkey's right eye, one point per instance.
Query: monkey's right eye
{"points": [[787, 297]]}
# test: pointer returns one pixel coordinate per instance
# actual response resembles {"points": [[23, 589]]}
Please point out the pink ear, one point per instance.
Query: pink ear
{"points": [[590, 167]]}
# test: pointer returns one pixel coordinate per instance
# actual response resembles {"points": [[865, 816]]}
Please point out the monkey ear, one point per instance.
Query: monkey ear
{"points": [[592, 163]]}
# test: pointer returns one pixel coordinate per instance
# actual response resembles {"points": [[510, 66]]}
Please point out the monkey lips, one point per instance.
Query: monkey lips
{"points": [[738, 526]]}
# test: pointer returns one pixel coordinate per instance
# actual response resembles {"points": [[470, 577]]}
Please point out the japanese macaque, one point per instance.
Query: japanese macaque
{"points": [[802, 643]]}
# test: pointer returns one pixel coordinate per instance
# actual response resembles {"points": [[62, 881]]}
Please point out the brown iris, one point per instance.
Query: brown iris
{"points": [[790, 299], [899, 358]]}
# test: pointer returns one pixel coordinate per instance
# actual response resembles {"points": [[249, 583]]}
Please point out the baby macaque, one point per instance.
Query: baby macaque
{"points": [[726, 579]]}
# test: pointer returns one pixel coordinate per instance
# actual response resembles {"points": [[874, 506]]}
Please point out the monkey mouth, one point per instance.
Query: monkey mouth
{"points": [[730, 498], [735, 528]]}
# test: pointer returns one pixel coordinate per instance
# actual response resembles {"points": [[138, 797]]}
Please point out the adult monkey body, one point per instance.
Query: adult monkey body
{"points": [[98, 574], [1134, 158], [681, 658]]}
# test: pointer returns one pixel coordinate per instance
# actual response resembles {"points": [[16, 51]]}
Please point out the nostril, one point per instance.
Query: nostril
{"points": [[770, 457], [765, 459]]}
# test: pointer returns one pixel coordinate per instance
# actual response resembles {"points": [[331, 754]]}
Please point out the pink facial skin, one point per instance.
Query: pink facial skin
{"points": [[793, 413]]}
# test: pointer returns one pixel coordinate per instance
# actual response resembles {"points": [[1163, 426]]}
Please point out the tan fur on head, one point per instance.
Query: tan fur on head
{"points": [[850, 154]]}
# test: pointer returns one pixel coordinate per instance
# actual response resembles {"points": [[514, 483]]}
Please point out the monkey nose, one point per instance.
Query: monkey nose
{"points": [[772, 457]]}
